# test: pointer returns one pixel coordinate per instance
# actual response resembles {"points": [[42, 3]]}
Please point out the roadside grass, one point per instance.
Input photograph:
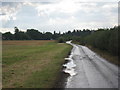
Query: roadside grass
{"points": [[43, 78], [106, 55], [32, 66]]}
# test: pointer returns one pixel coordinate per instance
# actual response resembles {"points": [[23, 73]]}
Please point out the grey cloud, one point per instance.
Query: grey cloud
{"points": [[8, 8], [2, 13]]}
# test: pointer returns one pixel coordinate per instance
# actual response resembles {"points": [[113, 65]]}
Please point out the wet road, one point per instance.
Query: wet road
{"points": [[89, 70]]}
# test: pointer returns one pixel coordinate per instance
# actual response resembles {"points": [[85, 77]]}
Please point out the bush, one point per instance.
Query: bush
{"points": [[61, 40]]}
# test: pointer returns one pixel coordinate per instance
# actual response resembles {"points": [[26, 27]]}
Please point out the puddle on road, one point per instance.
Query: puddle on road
{"points": [[69, 68]]}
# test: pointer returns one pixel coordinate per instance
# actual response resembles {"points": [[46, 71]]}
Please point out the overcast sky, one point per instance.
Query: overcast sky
{"points": [[58, 15]]}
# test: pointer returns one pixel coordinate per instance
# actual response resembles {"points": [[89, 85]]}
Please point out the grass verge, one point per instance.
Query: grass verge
{"points": [[109, 57], [106, 55]]}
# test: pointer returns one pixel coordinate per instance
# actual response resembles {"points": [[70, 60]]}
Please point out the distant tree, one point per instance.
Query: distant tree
{"points": [[59, 32], [23, 36], [69, 32], [16, 29], [7, 36], [61, 40], [16, 35], [19, 35], [35, 34], [74, 31], [54, 36], [48, 36]]}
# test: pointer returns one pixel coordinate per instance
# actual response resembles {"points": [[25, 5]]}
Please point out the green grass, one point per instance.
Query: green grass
{"points": [[33, 66], [15, 53]]}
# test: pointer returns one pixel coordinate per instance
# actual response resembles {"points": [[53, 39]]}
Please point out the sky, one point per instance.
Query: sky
{"points": [[57, 15]]}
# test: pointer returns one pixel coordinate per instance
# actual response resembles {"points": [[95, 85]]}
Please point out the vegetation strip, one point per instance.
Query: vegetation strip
{"points": [[106, 55]]}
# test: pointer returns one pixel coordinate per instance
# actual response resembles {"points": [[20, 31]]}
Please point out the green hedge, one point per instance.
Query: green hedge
{"points": [[104, 39]]}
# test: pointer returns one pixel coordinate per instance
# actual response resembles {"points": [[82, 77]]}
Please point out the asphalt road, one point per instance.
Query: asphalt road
{"points": [[89, 70]]}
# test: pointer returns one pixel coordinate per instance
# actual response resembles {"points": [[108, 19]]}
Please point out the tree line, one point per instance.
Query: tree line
{"points": [[104, 39], [33, 34], [30, 34]]}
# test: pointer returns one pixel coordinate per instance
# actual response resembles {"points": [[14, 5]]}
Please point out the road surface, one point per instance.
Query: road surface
{"points": [[89, 70]]}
